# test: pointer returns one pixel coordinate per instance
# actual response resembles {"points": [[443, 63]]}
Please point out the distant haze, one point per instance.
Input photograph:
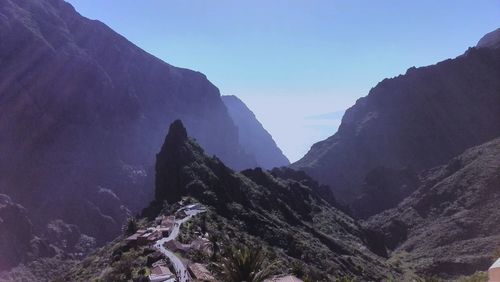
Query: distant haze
{"points": [[297, 64]]}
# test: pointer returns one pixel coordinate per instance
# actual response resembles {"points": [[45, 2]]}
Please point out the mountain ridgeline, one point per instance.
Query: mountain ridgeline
{"points": [[407, 124], [253, 137], [82, 112], [283, 209]]}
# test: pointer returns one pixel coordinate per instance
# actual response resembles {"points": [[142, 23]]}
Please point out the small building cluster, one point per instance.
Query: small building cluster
{"points": [[152, 234], [199, 244]]}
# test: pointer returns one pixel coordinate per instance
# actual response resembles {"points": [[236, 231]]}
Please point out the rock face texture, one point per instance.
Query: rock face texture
{"points": [[253, 136], [281, 208], [412, 122], [16, 233], [450, 225], [82, 112]]}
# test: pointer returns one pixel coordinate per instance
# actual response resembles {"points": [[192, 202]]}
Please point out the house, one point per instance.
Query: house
{"points": [[168, 222], [176, 246], [494, 272], [287, 278], [161, 273], [200, 273], [165, 231], [133, 239], [143, 238]]}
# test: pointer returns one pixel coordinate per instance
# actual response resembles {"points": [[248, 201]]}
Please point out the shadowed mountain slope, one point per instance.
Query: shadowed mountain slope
{"points": [[409, 123], [81, 115], [450, 225]]}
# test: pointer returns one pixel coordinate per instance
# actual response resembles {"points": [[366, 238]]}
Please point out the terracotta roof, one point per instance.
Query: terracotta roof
{"points": [[161, 270], [288, 278], [200, 272]]}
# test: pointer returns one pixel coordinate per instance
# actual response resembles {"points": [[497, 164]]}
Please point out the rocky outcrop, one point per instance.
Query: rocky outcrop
{"points": [[412, 122], [82, 108], [21, 242], [281, 208], [16, 233], [450, 226], [253, 136]]}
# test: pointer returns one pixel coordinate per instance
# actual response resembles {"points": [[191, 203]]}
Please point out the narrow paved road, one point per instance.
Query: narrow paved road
{"points": [[180, 268]]}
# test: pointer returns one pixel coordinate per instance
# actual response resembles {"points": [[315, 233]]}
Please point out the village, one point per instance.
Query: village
{"points": [[162, 236]]}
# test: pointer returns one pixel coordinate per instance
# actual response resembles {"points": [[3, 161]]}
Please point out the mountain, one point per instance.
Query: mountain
{"points": [[16, 233], [253, 136], [81, 115], [450, 226], [410, 123], [490, 40], [280, 209]]}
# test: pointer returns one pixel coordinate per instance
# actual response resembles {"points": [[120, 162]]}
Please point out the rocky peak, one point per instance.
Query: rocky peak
{"points": [[490, 40], [177, 135], [177, 152]]}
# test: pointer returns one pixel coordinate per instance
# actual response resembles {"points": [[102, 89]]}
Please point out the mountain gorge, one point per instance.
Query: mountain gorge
{"points": [[82, 111], [279, 211], [407, 124], [407, 188]]}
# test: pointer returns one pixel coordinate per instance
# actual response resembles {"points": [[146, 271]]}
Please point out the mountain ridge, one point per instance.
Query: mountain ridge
{"points": [[253, 136], [411, 122], [81, 115]]}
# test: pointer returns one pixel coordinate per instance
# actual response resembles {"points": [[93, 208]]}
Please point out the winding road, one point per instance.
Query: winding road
{"points": [[180, 268]]}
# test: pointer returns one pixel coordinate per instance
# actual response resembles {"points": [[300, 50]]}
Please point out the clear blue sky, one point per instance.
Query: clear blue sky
{"points": [[296, 62]]}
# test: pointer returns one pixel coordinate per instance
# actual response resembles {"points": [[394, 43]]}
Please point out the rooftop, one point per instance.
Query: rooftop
{"points": [[288, 278], [200, 272]]}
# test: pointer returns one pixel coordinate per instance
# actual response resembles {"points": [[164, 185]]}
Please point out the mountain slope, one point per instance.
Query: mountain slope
{"points": [[490, 40], [450, 226], [412, 122], [253, 137], [280, 209], [81, 111]]}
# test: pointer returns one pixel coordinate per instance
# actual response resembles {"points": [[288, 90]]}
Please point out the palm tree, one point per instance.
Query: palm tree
{"points": [[246, 265]]}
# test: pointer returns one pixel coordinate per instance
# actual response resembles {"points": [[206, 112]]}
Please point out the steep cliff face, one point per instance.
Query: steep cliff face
{"points": [[412, 122], [450, 225], [280, 208], [82, 111], [253, 136]]}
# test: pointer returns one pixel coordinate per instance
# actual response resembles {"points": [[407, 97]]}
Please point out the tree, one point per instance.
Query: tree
{"points": [[130, 226], [244, 264]]}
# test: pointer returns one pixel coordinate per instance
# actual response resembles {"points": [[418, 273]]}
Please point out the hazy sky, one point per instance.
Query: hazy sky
{"points": [[297, 64]]}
